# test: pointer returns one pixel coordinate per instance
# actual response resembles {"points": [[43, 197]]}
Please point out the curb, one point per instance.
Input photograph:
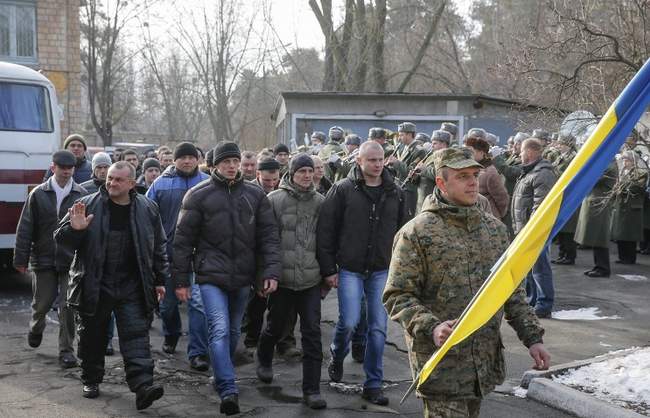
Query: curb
{"points": [[530, 375], [575, 402]]}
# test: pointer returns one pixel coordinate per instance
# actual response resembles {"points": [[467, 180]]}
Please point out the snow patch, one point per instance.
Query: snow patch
{"points": [[519, 392], [624, 381], [582, 314], [633, 277]]}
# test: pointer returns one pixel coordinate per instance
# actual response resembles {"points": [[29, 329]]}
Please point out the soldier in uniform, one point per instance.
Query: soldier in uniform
{"points": [[405, 159], [593, 228], [426, 180], [318, 139], [566, 146], [627, 216], [452, 129], [439, 260], [282, 155]]}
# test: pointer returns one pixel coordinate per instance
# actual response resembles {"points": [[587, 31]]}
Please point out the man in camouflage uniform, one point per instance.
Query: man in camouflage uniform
{"points": [[439, 261], [330, 152]]}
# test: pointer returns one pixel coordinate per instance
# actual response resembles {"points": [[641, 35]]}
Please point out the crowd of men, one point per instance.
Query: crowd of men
{"points": [[253, 242]]}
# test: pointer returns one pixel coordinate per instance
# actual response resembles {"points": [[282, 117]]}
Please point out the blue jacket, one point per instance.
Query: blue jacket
{"points": [[168, 191]]}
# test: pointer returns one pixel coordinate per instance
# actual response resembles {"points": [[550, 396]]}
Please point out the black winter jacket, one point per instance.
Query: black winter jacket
{"points": [[35, 232], [89, 248], [222, 226], [354, 233]]}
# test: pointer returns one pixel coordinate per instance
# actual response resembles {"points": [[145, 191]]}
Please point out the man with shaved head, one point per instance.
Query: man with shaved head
{"points": [[358, 219]]}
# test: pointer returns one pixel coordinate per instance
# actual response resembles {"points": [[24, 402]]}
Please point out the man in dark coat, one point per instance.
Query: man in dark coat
{"points": [[120, 265], [101, 162], [225, 224], [357, 223], [76, 144], [45, 206]]}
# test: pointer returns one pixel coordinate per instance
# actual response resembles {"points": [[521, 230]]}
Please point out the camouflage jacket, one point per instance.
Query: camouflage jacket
{"points": [[440, 260]]}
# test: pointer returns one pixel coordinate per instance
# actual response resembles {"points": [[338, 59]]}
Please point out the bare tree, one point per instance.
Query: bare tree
{"points": [[106, 61]]}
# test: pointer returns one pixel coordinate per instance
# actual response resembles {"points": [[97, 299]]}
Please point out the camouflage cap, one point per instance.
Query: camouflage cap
{"points": [[376, 133], [449, 127], [456, 158], [406, 127], [441, 136], [421, 136]]}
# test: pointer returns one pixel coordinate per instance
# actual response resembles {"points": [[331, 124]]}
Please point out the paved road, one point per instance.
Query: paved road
{"points": [[32, 384]]}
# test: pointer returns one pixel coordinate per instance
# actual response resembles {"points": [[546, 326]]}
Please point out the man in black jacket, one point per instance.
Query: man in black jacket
{"points": [[100, 163], [120, 266], [46, 204], [357, 223], [225, 224]]}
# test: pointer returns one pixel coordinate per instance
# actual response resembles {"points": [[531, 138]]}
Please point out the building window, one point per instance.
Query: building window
{"points": [[18, 31]]}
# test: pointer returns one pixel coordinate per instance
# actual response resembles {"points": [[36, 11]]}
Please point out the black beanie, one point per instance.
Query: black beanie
{"points": [[150, 162], [280, 148], [185, 148], [225, 150], [268, 164], [208, 158], [299, 161]]}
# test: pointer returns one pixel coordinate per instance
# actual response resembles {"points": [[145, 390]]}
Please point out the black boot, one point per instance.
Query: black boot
{"points": [[90, 391], [169, 346], [146, 395], [230, 405]]}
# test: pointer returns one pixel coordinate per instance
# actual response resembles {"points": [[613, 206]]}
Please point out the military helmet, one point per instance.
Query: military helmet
{"points": [[421, 136]]}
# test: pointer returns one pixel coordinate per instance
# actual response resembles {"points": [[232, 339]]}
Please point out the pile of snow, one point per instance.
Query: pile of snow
{"points": [[623, 381], [633, 277], [519, 392], [582, 314]]}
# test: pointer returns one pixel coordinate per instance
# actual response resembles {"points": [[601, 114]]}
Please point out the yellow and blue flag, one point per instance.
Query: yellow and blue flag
{"points": [[556, 209]]}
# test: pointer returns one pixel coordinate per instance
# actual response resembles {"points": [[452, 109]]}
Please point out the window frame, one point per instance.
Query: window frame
{"points": [[13, 41]]}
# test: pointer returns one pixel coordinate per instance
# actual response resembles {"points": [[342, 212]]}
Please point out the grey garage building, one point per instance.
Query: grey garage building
{"points": [[298, 114]]}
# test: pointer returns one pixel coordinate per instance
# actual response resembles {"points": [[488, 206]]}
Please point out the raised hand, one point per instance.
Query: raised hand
{"points": [[78, 218]]}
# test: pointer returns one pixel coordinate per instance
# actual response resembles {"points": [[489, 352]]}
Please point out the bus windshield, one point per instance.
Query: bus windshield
{"points": [[25, 107]]}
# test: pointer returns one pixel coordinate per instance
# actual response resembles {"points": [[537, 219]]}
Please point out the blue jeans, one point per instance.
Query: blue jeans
{"points": [[171, 320], [360, 332], [224, 311], [352, 288], [539, 284]]}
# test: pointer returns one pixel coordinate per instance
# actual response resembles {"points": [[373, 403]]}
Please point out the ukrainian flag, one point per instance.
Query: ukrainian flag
{"points": [[556, 209]]}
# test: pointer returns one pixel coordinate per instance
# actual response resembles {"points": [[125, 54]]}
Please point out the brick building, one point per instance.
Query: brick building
{"points": [[44, 35]]}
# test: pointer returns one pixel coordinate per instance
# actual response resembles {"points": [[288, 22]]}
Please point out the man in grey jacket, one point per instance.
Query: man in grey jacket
{"points": [[45, 206], [296, 206], [536, 180]]}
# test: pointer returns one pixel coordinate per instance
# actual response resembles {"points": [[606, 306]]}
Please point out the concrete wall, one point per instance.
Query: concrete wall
{"points": [[58, 54]]}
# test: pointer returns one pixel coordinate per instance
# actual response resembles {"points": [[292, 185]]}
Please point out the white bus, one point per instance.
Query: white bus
{"points": [[30, 132]]}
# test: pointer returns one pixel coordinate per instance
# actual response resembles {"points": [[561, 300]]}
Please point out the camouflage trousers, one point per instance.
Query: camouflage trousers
{"points": [[467, 408]]}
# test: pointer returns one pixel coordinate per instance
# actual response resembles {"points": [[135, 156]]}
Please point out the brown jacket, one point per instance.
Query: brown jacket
{"points": [[491, 185]]}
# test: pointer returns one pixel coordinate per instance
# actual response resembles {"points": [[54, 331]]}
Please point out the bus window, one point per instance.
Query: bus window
{"points": [[25, 107]]}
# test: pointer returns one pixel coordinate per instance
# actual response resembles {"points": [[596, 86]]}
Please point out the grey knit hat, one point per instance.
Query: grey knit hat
{"points": [[101, 159]]}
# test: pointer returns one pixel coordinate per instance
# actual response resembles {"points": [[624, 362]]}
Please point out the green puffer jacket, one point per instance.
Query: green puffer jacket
{"points": [[440, 260], [297, 213]]}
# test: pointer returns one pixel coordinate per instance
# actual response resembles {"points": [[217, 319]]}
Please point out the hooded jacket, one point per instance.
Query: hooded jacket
{"points": [[356, 233], [222, 227]]}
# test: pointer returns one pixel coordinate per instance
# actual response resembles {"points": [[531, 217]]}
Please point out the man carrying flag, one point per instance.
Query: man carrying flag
{"points": [[439, 262]]}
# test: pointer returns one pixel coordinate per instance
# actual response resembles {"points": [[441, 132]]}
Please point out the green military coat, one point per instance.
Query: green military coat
{"points": [[594, 219], [627, 213]]}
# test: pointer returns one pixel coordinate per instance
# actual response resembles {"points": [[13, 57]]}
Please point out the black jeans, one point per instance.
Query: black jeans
{"points": [[568, 247], [254, 320], [133, 322], [307, 305]]}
